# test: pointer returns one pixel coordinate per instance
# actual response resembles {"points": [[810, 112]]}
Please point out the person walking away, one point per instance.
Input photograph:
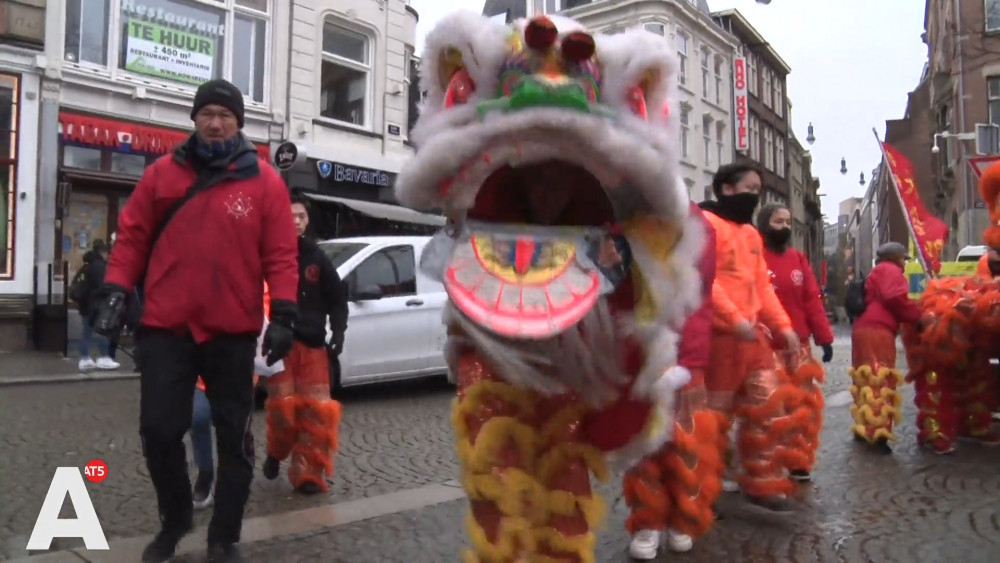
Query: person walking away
{"points": [[873, 348], [302, 418], [95, 263], [743, 382], [674, 489], [799, 294], [204, 229]]}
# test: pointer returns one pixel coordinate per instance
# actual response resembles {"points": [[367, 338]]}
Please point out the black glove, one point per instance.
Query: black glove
{"points": [[110, 313], [336, 343], [279, 336], [827, 353]]}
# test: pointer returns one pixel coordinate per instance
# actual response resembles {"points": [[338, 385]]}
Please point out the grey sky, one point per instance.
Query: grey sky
{"points": [[853, 62]]}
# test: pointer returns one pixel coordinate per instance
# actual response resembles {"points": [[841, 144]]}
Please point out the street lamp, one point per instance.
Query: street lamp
{"points": [[862, 181], [810, 137], [843, 166]]}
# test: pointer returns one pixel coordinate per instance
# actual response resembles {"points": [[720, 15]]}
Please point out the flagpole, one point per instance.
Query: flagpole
{"points": [[899, 196]]}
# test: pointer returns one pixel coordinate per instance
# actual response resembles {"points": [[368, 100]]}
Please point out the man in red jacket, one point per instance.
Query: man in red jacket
{"points": [[873, 347], [203, 260], [796, 288], [675, 488]]}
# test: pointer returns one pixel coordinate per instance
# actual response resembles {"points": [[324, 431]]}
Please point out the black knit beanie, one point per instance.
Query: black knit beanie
{"points": [[220, 92]]}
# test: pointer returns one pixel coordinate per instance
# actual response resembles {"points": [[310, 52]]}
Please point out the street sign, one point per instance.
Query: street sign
{"points": [[979, 164], [286, 155]]}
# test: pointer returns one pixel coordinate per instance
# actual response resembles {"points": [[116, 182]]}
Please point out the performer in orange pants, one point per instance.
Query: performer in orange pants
{"points": [[302, 418], [674, 489]]}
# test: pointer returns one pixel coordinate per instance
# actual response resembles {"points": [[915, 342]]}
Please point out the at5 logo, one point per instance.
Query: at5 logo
{"points": [[48, 526]]}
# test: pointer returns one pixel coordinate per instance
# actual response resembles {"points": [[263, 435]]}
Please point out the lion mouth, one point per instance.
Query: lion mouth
{"points": [[549, 193]]}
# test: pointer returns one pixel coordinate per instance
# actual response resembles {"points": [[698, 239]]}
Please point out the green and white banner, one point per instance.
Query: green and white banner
{"points": [[159, 51]]}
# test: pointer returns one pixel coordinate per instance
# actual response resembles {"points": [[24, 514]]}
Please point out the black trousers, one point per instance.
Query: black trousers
{"points": [[172, 364]]}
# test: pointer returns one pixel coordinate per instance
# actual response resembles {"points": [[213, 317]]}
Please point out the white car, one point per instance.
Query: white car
{"points": [[394, 328]]}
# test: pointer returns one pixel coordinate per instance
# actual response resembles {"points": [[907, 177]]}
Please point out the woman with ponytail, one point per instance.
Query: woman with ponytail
{"points": [[796, 288]]}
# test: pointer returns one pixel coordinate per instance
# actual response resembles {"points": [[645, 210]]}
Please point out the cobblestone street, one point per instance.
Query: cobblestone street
{"points": [[911, 506]]}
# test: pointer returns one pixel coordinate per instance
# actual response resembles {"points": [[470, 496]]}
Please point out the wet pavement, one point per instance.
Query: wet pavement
{"points": [[394, 497]]}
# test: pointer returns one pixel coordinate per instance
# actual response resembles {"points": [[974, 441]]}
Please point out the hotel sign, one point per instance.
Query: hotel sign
{"points": [[741, 104]]}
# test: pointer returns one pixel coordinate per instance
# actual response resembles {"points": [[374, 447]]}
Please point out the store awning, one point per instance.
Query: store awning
{"points": [[383, 210]]}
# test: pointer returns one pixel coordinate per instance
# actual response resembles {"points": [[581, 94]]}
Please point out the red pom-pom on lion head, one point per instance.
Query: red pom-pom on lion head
{"points": [[989, 190]]}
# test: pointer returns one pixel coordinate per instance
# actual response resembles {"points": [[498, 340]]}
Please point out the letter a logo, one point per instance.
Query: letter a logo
{"points": [[67, 480]]}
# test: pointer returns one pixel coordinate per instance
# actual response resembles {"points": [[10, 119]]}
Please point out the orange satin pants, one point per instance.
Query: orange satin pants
{"points": [[302, 419], [676, 487], [744, 383]]}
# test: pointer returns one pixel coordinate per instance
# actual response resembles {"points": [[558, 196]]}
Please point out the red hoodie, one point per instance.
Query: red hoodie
{"points": [[887, 299], [796, 288], [696, 336]]}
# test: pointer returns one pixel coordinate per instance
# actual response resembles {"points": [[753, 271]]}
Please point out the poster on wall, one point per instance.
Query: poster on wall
{"points": [[171, 44]]}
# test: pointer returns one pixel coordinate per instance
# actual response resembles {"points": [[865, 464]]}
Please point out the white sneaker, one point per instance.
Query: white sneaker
{"points": [[86, 364], [644, 545], [730, 486], [107, 363], [678, 542]]}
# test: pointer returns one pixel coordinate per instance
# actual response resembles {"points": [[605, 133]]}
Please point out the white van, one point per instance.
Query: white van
{"points": [[394, 328], [971, 253]]}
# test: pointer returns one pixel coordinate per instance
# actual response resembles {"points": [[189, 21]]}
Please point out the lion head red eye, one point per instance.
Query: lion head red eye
{"points": [[541, 33], [636, 100], [578, 46], [460, 89]]}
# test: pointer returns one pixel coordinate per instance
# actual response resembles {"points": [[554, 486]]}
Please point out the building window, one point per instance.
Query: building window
{"points": [[685, 131], [766, 92], [345, 75], [993, 95], [779, 97], [706, 135], [755, 138], [706, 57], [87, 31], [175, 42], [682, 53], [709, 194], [719, 62], [9, 100], [779, 165], [768, 148], [655, 27], [553, 6], [720, 143], [992, 15], [752, 73]]}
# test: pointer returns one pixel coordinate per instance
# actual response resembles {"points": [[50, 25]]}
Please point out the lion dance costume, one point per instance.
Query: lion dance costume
{"points": [[950, 357], [570, 261]]}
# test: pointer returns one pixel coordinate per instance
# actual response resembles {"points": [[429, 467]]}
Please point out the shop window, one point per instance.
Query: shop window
{"points": [[81, 157], [9, 98], [345, 75], [177, 42], [129, 164], [392, 270], [87, 31]]}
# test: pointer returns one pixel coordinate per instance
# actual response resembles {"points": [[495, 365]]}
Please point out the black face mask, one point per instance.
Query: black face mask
{"points": [[777, 238], [738, 208]]}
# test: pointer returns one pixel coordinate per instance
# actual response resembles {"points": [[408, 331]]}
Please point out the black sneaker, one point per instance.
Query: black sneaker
{"points": [[800, 475], [778, 505], [308, 488], [882, 446], [271, 468], [164, 545], [224, 553], [202, 495]]}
